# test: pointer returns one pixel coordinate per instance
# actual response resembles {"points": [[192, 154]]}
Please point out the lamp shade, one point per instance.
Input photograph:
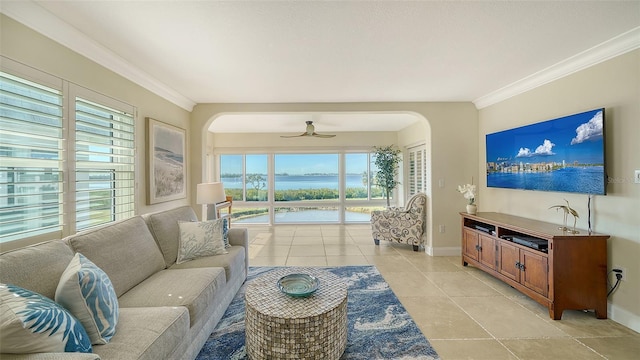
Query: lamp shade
{"points": [[210, 193]]}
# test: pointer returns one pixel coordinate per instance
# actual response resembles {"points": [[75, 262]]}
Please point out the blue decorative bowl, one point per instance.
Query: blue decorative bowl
{"points": [[298, 285]]}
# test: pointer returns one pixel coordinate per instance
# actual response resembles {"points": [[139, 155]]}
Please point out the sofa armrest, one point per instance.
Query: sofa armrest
{"points": [[240, 237]]}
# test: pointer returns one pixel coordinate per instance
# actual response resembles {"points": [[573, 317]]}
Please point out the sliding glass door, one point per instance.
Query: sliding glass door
{"points": [[305, 185], [293, 188], [246, 180]]}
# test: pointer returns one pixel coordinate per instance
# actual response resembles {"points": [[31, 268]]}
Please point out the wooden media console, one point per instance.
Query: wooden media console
{"points": [[556, 268]]}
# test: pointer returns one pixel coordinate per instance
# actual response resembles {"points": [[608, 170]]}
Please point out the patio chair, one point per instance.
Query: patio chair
{"points": [[403, 225]]}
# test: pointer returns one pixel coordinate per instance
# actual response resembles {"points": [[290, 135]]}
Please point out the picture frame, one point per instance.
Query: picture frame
{"points": [[166, 162]]}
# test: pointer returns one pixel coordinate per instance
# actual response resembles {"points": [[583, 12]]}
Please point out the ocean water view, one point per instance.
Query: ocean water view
{"points": [[588, 179], [303, 183]]}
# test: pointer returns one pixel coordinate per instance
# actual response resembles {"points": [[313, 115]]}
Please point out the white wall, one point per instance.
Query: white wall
{"points": [[615, 85]]}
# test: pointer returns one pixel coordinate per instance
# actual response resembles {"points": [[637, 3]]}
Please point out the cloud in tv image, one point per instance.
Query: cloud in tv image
{"points": [[564, 155]]}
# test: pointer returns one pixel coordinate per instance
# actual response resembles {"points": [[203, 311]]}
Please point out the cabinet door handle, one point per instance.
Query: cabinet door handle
{"points": [[478, 247], [518, 265]]}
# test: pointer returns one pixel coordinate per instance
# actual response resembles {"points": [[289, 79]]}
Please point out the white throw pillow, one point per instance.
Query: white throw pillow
{"points": [[86, 291], [33, 323], [198, 239]]}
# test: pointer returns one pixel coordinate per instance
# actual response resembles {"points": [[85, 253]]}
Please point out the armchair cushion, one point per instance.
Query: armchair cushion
{"points": [[403, 225]]}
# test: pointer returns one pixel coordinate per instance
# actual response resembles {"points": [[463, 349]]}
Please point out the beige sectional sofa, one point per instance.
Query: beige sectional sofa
{"points": [[167, 310]]}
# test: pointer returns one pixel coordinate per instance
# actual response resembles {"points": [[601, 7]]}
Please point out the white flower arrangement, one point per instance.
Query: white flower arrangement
{"points": [[469, 192]]}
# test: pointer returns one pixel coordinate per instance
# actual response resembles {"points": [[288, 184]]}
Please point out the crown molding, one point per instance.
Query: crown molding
{"points": [[37, 18], [609, 49]]}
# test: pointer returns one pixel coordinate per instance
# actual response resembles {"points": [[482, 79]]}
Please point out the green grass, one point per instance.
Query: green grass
{"points": [[306, 194]]}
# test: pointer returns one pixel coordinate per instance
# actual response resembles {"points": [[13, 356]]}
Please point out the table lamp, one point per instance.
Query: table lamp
{"points": [[209, 194]]}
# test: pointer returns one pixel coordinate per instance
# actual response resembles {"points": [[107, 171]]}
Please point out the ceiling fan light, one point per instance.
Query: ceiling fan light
{"points": [[310, 131]]}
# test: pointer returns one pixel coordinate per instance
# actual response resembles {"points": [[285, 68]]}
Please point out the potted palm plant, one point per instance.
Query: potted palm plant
{"points": [[387, 159]]}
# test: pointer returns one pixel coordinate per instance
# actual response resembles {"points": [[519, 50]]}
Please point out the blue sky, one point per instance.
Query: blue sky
{"points": [[572, 138]]}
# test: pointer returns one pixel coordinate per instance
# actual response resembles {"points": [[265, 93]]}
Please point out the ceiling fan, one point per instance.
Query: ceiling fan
{"points": [[311, 131]]}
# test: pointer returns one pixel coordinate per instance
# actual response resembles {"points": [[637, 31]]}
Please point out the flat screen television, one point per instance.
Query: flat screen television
{"points": [[566, 154]]}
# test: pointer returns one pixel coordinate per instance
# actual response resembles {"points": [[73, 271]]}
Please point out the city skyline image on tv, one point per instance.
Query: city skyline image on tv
{"points": [[566, 154]]}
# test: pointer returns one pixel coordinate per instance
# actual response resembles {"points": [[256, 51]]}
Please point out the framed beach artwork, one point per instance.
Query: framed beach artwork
{"points": [[166, 160]]}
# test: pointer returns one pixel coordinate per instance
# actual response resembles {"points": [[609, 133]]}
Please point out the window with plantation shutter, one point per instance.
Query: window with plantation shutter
{"points": [[417, 170], [104, 163], [31, 154], [67, 156], [411, 178]]}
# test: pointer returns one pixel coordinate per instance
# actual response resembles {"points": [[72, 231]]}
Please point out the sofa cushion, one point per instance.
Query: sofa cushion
{"points": [[125, 250], [147, 333], [233, 263], [86, 291], [164, 227], [193, 288], [200, 238], [31, 323], [37, 268]]}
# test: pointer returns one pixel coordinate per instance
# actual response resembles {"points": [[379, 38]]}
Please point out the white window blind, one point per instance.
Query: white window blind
{"points": [[104, 164], [31, 155], [417, 172], [412, 173]]}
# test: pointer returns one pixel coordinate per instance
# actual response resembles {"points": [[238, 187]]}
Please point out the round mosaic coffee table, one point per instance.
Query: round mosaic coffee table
{"points": [[279, 326]]}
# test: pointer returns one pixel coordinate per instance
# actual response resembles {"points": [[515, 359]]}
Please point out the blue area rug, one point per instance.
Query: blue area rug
{"points": [[379, 327]]}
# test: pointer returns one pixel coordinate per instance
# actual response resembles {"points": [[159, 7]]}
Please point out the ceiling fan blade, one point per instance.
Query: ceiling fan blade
{"points": [[292, 136], [322, 135]]}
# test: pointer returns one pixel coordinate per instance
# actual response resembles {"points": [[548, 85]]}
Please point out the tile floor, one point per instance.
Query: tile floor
{"points": [[465, 313]]}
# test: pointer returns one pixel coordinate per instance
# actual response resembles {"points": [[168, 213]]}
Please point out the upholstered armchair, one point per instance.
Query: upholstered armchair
{"points": [[403, 225]]}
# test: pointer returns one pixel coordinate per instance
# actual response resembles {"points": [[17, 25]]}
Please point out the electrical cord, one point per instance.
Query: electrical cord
{"points": [[618, 278], [589, 213]]}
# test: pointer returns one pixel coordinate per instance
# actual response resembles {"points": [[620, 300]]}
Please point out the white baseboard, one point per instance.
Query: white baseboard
{"points": [[623, 317], [444, 251]]}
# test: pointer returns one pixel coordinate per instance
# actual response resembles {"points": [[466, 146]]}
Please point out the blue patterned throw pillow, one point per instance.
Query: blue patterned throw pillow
{"points": [[225, 233], [198, 239], [32, 323], [86, 291]]}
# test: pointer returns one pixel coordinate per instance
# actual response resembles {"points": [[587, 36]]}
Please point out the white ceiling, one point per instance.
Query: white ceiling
{"points": [[340, 51], [324, 123]]}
